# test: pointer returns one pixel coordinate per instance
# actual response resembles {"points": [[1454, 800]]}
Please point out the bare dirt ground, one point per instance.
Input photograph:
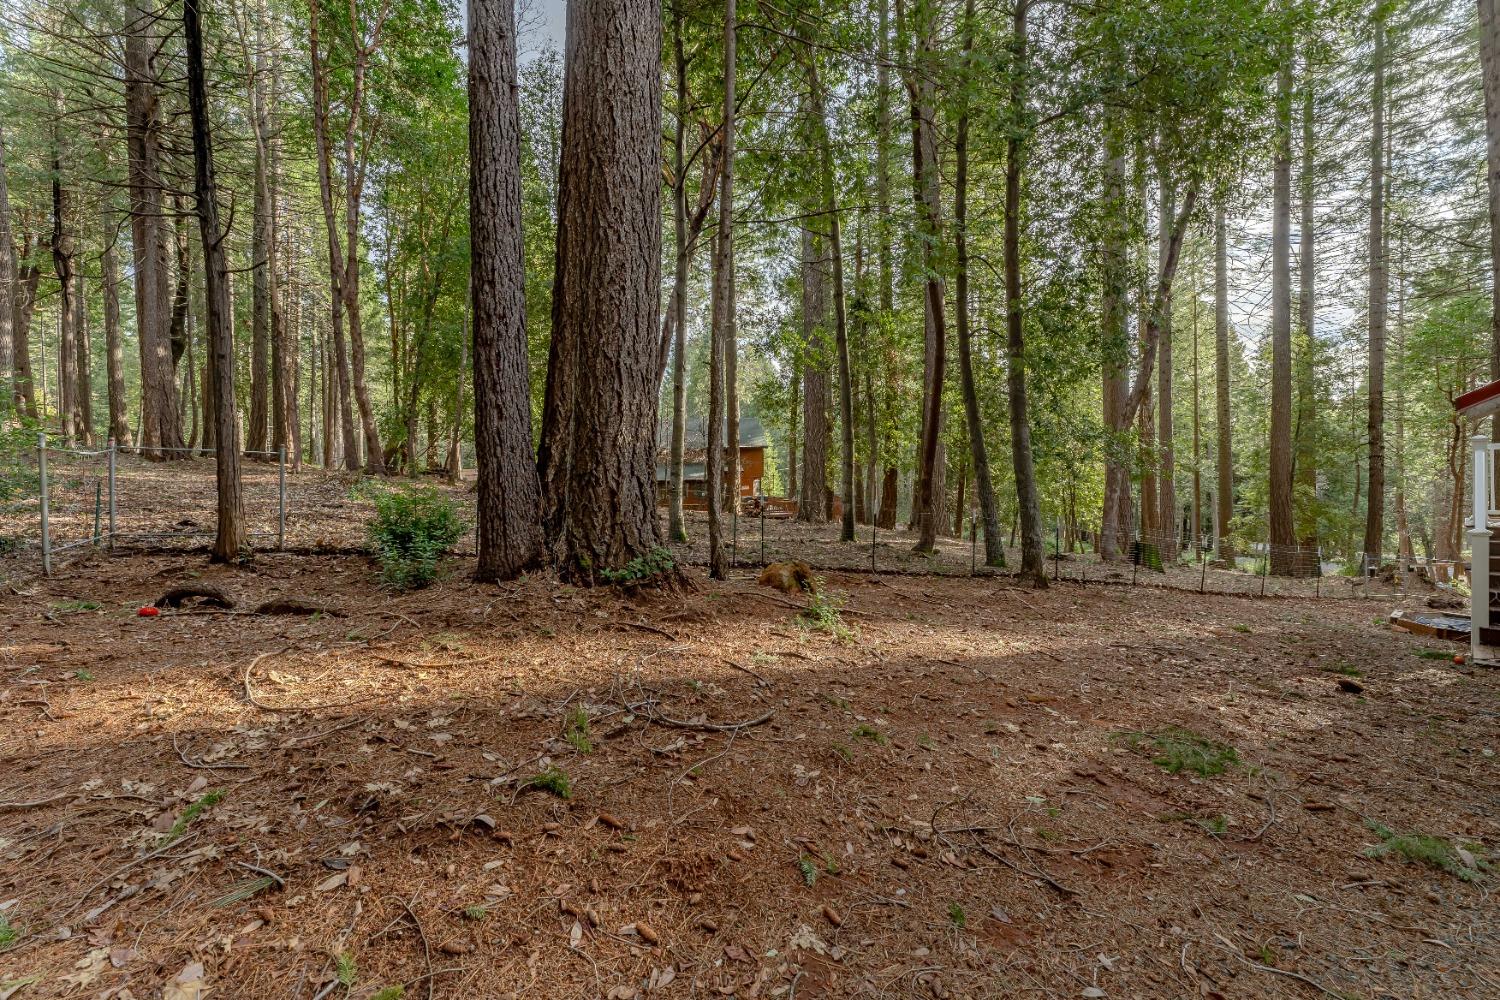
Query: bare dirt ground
{"points": [[944, 801]]}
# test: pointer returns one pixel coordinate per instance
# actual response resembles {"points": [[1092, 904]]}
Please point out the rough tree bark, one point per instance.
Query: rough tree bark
{"points": [[1166, 453], [9, 281], [1305, 476], [722, 369], [812, 501], [1489, 60], [230, 538], [509, 507], [1114, 531], [114, 351], [597, 458], [64, 262]]}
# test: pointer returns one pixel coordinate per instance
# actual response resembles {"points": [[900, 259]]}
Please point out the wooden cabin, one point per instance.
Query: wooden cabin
{"points": [[1483, 522], [753, 445]]}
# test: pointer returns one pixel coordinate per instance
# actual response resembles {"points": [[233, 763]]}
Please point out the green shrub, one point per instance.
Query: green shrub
{"points": [[1177, 749], [414, 527], [1465, 862], [649, 568]]}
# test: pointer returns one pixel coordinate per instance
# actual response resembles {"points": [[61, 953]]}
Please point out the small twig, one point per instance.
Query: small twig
{"points": [[250, 691], [200, 765], [639, 627], [747, 670], [712, 727], [18, 806], [280, 882], [426, 949], [170, 846]]}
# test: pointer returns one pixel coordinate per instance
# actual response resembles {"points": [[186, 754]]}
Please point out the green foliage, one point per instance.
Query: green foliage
{"points": [[191, 813], [414, 527], [73, 607], [8, 932], [476, 912], [654, 565], [809, 871], [345, 970], [957, 917], [1466, 862], [390, 993], [864, 732], [1177, 749], [825, 613], [576, 730], [553, 780]]}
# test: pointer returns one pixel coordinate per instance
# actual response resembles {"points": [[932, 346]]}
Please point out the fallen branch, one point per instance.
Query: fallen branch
{"points": [[712, 727], [250, 691], [199, 764], [18, 806]]}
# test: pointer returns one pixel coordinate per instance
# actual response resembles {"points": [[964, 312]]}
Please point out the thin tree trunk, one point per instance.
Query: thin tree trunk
{"points": [[994, 542], [840, 316], [722, 368], [676, 523], [114, 351], [925, 195], [1283, 537], [9, 283], [64, 261], [1115, 528], [597, 458], [1166, 452], [161, 423], [509, 507], [1033, 555], [812, 505], [1375, 507], [1223, 457], [1489, 60], [230, 538], [1305, 486]]}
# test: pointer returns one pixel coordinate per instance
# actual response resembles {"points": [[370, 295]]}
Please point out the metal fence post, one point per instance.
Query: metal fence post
{"points": [[41, 462], [1056, 550], [973, 547], [281, 497], [873, 528], [98, 490], [113, 449], [1265, 567], [763, 533]]}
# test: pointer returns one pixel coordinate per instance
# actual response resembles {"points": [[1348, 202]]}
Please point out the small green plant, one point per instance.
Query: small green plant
{"points": [[830, 863], [1242, 629], [825, 613], [576, 730], [191, 813], [1434, 654], [957, 917], [414, 527], [842, 704], [390, 993], [925, 742], [1342, 668], [346, 971], [74, 607], [652, 566], [863, 732], [1267, 956], [8, 933], [82, 675], [476, 912], [809, 871], [1466, 863], [1179, 750], [553, 780], [842, 749]]}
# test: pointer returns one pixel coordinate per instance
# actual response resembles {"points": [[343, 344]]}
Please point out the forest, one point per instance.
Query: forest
{"points": [[1196, 276], [1095, 369]]}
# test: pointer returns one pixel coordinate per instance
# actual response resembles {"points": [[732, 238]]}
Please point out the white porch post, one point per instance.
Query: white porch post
{"points": [[1479, 545]]}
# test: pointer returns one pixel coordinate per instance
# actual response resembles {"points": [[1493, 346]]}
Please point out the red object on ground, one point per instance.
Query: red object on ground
{"points": [[149, 612], [1458, 658]]}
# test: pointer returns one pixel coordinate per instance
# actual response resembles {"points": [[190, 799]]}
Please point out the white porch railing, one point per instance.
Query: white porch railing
{"points": [[1479, 540]]}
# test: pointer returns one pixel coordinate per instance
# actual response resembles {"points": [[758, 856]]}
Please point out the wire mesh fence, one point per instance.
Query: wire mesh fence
{"points": [[1080, 554]]}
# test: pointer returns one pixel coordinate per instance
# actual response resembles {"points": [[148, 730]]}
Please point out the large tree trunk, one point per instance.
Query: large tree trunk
{"points": [[840, 316], [597, 459], [1283, 538], [509, 507], [994, 542], [812, 501], [182, 289], [28, 277], [1375, 506], [1224, 456], [161, 423], [230, 538], [925, 195], [676, 523], [1305, 476], [1033, 562]]}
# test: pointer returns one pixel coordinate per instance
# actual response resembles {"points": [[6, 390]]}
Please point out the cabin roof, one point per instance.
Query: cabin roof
{"points": [[1481, 402]]}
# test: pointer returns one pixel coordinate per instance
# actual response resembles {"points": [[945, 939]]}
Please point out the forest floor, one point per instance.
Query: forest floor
{"points": [[951, 788]]}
